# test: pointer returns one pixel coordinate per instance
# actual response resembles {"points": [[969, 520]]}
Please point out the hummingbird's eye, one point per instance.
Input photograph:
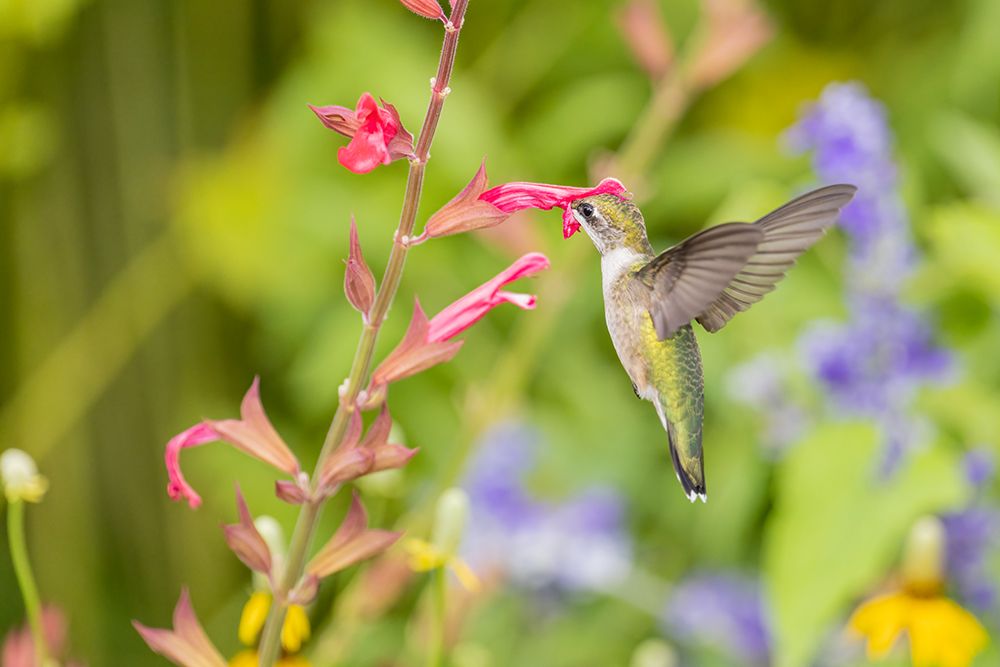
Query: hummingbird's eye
{"points": [[586, 210]]}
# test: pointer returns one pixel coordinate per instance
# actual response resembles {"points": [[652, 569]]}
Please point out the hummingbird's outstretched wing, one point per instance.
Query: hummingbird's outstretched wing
{"points": [[688, 278], [787, 233]]}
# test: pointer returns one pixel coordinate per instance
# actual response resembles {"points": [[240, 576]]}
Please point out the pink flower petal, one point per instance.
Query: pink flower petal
{"points": [[253, 433], [246, 541], [512, 197], [186, 644], [377, 135], [427, 8], [178, 487], [466, 211], [468, 310], [352, 542]]}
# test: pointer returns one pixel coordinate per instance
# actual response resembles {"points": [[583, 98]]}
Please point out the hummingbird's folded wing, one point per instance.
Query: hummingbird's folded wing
{"points": [[787, 233], [690, 277]]}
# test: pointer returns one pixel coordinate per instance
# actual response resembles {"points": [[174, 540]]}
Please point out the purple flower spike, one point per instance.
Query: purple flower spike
{"points": [[872, 365], [725, 611], [577, 544]]}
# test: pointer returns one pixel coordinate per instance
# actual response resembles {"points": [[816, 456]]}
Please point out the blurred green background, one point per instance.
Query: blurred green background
{"points": [[173, 220]]}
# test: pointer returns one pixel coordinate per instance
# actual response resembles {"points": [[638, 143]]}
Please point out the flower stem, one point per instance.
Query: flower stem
{"points": [[305, 526], [436, 642], [25, 579]]}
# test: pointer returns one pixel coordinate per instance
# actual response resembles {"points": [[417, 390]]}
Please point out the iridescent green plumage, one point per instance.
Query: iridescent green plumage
{"points": [[709, 277]]}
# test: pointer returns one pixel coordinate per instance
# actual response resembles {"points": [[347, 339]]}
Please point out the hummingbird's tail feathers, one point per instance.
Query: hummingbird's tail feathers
{"points": [[694, 487], [787, 233], [690, 473]]}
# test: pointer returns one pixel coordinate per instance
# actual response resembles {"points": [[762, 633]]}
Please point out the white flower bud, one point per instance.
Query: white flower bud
{"points": [[654, 653], [20, 477], [923, 556], [449, 523]]}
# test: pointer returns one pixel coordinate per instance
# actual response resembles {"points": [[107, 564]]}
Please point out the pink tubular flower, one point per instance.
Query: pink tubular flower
{"points": [[429, 342], [465, 212], [468, 310], [252, 434], [186, 644], [511, 197], [427, 8], [377, 135]]}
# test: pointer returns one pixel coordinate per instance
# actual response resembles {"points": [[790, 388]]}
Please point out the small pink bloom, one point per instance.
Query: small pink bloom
{"points": [[355, 457], [359, 282], [468, 310], [466, 211], [246, 541], [353, 542], [19, 645], [427, 8], [428, 343], [253, 434], [512, 197], [645, 32], [377, 135], [186, 644], [414, 353]]}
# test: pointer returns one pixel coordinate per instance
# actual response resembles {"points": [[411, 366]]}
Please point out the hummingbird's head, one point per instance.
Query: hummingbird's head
{"points": [[611, 222]]}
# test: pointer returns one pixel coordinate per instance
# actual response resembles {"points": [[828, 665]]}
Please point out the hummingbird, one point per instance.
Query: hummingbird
{"points": [[651, 300]]}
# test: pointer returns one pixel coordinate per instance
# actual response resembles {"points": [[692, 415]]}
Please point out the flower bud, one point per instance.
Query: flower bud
{"points": [[20, 477], [449, 521], [923, 556], [359, 282], [654, 653], [646, 35], [427, 8], [466, 211]]}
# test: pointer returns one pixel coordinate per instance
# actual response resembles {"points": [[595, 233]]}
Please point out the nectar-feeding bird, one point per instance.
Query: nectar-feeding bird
{"points": [[650, 300]]}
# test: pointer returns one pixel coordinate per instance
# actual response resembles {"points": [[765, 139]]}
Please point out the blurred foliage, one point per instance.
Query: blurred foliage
{"points": [[173, 219]]}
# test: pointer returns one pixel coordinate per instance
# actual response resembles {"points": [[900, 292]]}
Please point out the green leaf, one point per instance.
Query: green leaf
{"points": [[836, 529]]}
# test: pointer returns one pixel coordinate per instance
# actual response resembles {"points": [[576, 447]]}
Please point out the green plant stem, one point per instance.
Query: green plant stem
{"points": [[439, 609], [25, 579], [305, 525]]}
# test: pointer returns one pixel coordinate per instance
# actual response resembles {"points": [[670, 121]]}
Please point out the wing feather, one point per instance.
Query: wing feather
{"points": [[787, 232], [689, 277]]}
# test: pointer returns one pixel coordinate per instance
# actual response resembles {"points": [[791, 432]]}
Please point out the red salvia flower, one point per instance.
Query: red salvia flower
{"points": [[252, 434], [512, 197], [429, 342], [377, 134]]}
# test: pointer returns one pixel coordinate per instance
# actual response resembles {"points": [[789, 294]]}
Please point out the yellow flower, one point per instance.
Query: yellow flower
{"points": [[425, 557], [248, 658], [941, 633], [294, 631]]}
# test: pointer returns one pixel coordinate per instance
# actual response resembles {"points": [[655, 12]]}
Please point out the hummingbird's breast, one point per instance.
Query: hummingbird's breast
{"points": [[626, 310]]}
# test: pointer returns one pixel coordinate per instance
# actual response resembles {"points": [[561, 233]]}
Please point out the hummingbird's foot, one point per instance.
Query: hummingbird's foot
{"points": [[636, 390]]}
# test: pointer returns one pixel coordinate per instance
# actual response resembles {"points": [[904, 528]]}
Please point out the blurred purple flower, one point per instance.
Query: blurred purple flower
{"points": [[980, 465], [875, 363], [971, 535], [762, 384], [578, 544], [722, 610]]}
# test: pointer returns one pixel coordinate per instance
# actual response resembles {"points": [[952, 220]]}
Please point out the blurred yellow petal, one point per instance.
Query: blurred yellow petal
{"points": [[295, 629], [292, 661], [465, 575], [423, 555], [881, 620], [247, 658], [943, 634], [253, 617]]}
